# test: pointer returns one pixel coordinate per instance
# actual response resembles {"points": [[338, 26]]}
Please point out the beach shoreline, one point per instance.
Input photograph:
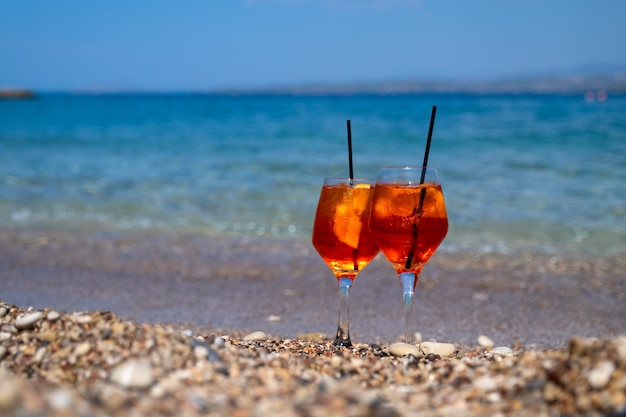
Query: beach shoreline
{"points": [[131, 324], [281, 286]]}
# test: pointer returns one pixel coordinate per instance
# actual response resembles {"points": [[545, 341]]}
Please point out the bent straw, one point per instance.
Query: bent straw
{"points": [[409, 259], [350, 150]]}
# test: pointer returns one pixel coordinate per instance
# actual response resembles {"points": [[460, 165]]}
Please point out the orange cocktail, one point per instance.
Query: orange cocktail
{"points": [[408, 223], [341, 234], [408, 220], [342, 238]]}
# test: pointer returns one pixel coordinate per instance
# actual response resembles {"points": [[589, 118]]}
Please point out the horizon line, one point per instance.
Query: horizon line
{"points": [[614, 83]]}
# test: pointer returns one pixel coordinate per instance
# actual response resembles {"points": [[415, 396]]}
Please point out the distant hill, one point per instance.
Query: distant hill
{"points": [[611, 83], [15, 94]]}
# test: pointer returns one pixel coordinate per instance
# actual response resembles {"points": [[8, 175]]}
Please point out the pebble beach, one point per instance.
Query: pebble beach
{"points": [[190, 326], [94, 363]]}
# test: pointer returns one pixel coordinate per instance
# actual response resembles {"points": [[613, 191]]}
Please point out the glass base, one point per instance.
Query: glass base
{"points": [[342, 340]]}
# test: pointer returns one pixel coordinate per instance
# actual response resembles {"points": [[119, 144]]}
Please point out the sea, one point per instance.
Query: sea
{"points": [[519, 172]]}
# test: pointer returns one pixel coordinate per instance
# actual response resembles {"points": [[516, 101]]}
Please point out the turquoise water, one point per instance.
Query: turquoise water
{"points": [[519, 172]]}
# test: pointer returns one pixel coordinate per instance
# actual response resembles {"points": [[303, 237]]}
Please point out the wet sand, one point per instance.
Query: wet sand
{"points": [[281, 286], [176, 341]]}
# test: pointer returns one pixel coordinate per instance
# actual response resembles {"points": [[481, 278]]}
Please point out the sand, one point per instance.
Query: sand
{"points": [[281, 286], [129, 325]]}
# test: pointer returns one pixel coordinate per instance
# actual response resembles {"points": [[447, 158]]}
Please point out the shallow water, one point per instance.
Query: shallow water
{"points": [[518, 172]]}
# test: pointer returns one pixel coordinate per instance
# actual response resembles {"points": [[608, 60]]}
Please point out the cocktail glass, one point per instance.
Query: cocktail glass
{"points": [[341, 236], [408, 221]]}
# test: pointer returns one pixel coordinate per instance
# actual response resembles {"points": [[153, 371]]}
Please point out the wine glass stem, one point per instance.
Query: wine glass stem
{"points": [[408, 290], [343, 329]]}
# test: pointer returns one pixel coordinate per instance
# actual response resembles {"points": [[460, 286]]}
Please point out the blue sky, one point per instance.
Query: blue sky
{"points": [[214, 44]]}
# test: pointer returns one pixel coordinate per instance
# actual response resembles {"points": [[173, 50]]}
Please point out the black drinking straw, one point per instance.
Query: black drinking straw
{"points": [[350, 150], [427, 151], [409, 259], [355, 252]]}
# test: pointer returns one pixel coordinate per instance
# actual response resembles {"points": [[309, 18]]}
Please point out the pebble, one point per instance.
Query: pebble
{"points": [[436, 348], [502, 350], [113, 397], [404, 349], [27, 321], [494, 397], [256, 336], [336, 362], [3, 352], [133, 374], [3, 312], [83, 319], [486, 383], [485, 341], [600, 374], [53, 315], [201, 351], [48, 336], [82, 349], [219, 342], [274, 319], [61, 400], [39, 355], [8, 392], [8, 328]]}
